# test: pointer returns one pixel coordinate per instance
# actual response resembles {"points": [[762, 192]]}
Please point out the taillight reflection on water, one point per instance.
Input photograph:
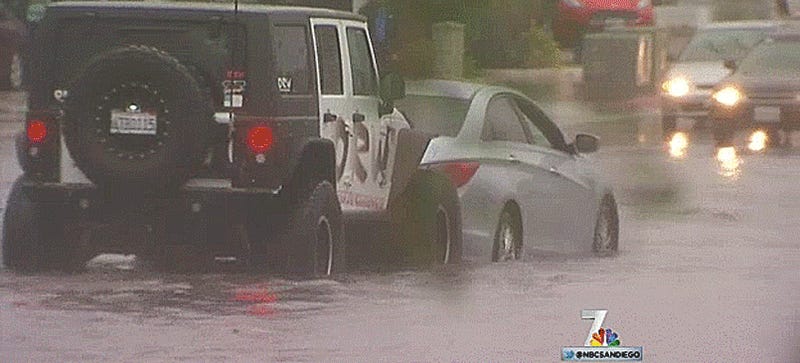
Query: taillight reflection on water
{"points": [[729, 162], [260, 300], [758, 141], [678, 145]]}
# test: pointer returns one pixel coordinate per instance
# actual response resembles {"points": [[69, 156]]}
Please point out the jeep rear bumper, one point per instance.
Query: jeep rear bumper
{"points": [[66, 192], [193, 215]]}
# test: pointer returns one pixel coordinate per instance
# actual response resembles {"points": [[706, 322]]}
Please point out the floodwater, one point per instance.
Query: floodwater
{"points": [[708, 270]]}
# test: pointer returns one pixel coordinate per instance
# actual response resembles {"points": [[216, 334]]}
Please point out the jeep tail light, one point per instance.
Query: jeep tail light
{"points": [[260, 139], [36, 130], [38, 147], [460, 173]]}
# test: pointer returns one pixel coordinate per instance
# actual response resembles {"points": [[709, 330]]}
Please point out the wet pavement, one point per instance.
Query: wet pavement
{"points": [[708, 270]]}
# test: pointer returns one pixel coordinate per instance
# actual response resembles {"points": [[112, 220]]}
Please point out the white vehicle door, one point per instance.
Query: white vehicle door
{"points": [[335, 125], [365, 181], [517, 169], [568, 199]]}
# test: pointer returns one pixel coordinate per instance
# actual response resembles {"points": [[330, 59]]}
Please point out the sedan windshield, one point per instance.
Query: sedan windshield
{"points": [[438, 115], [773, 58], [721, 44]]}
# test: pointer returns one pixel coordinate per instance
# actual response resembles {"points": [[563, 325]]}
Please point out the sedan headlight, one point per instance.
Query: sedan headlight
{"points": [[728, 96], [643, 4], [574, 3], [676, 87]]}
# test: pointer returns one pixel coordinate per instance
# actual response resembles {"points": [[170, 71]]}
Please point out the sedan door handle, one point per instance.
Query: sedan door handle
{"points": [[329, 117]]}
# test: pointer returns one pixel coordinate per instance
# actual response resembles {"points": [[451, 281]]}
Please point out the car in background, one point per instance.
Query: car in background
{"points": [[12, 35], [686, 89], [573, 18], [521, 185], [762, 94]]}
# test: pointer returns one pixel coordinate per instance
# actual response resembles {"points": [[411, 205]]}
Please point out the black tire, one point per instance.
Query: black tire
{"points": [[34, 238], [149, 80], [668, 125], [314, 241], [508, 236], [606, 230], [427, 222]]}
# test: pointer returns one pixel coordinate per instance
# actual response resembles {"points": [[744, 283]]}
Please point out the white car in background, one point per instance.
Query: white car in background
{"points": [[687, 86], [522, 187]]}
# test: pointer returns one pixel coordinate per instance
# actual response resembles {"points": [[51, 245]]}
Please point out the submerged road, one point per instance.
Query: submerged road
{"points": [[708, 270]]}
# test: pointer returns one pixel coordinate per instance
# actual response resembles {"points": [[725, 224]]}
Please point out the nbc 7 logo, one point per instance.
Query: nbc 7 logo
{"points": [[598, 316]]}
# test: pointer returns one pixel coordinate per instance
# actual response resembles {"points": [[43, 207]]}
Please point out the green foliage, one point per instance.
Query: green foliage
{"points": [[471, 68], [542, 49], [498, 32], [415, 59]]}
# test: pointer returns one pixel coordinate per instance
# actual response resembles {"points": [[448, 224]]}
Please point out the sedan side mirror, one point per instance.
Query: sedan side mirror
{"points": [[393, 88], [730, 64], [586, 144]]}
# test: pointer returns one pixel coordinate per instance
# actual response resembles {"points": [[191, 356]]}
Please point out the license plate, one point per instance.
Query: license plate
{"points": [[767, 114], [133, 123]]}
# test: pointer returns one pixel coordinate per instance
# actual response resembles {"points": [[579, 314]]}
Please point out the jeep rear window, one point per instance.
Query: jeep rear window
{"points": [[365, 81], [290, 46], [330, 59]]}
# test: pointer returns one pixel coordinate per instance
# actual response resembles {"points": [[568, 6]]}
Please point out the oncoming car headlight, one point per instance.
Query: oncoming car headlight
{"points": [[676, 87], [728, 96]]}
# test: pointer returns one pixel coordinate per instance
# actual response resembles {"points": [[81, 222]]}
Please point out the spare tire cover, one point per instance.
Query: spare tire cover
{"points": [[136, 117]]}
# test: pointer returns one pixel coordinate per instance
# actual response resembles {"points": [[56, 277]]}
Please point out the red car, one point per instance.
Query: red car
{"points": [[12, 33], [573, 18]]}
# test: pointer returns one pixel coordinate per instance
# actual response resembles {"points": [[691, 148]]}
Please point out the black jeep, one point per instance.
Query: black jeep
{"points": [[153, 127]]}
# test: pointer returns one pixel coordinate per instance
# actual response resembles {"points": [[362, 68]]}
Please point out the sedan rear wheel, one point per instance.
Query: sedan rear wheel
{"points": [[606, 231], [508, 238]]}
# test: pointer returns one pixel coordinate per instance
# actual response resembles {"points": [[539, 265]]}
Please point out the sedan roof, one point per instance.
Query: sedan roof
{"points": [[442, 88]]}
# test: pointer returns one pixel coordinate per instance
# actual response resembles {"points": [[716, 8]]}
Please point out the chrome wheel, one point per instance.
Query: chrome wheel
{"points": [[443, 236], [508, 241], [606, 231], [15, 74], [324, 247]]}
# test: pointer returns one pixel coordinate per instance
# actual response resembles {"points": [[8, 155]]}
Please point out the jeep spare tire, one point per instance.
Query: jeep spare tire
{"points": [[137, 118]]}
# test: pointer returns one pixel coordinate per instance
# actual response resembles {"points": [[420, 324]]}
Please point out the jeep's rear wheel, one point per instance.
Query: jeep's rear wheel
{"points": [[314, 241], [137, 117], [34, 237]]}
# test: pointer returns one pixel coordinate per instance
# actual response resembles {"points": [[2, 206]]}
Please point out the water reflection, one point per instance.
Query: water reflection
{"points": [[260, 300], [678, 145], [729, 162]]}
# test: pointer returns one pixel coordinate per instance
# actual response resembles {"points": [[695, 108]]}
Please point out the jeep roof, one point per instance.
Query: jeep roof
{"points": [[173, 7]]}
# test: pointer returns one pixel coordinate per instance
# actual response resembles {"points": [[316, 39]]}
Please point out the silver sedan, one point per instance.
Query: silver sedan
{"points": [[522, 187]]}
